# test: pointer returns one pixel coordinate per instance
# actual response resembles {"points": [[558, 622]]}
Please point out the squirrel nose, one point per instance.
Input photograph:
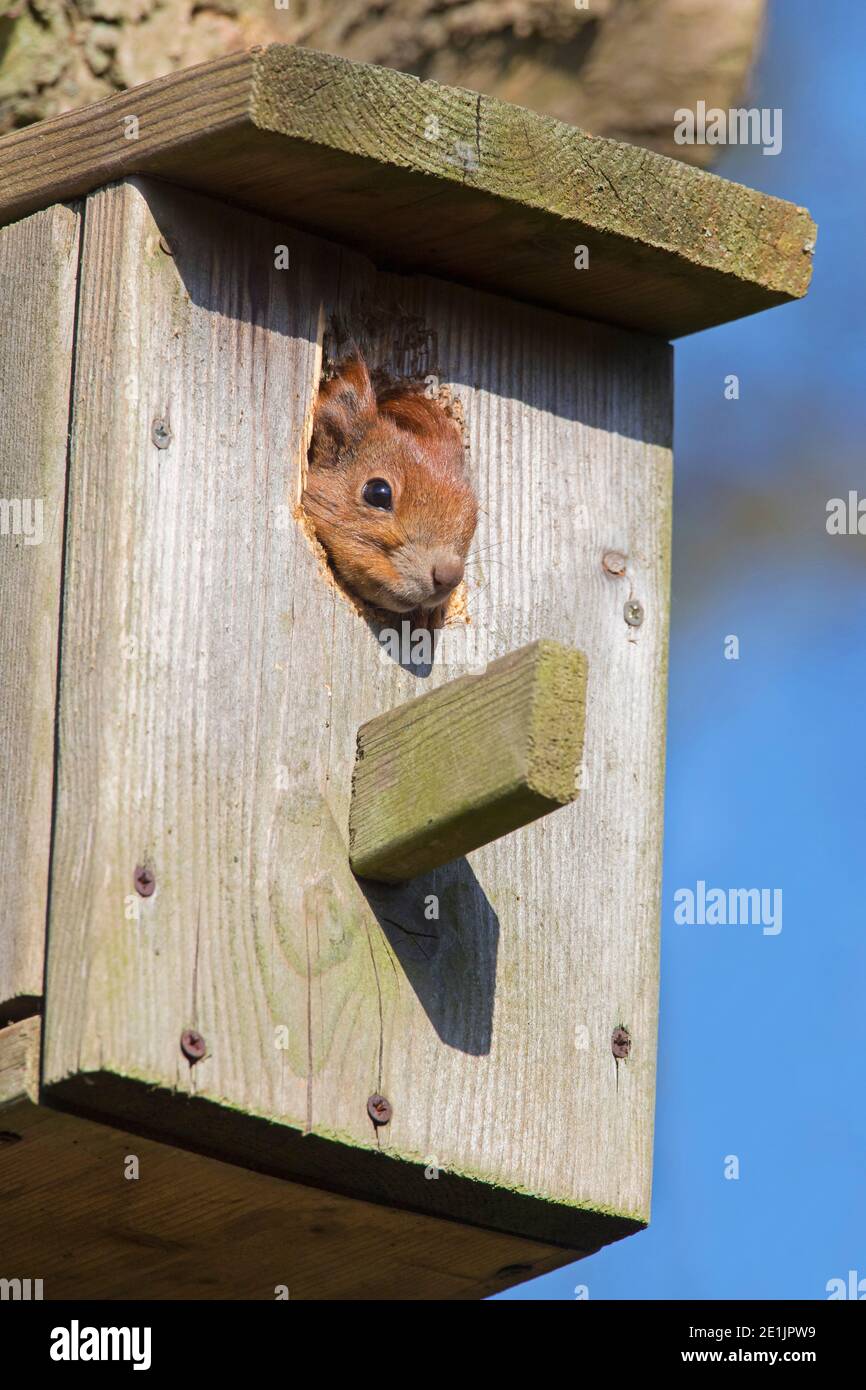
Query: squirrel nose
{"points": [[447, 573]]}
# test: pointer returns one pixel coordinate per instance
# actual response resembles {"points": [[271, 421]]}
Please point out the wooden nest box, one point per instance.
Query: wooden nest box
{"points": [[229, 1065]]}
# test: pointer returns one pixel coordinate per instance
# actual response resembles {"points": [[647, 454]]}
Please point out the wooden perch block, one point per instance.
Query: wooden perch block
{"points": [[453, 770]]}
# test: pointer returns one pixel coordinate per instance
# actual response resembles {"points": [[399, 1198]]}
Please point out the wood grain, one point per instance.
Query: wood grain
{"points": [[19, 1061], [438, 180], [213, 679], [455, 769], [38, 267], [190, 1227]]}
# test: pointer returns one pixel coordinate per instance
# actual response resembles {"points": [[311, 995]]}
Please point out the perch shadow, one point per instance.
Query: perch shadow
{"points": [[450, 962]]}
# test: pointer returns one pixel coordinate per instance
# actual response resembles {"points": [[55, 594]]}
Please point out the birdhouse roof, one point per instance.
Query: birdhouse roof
{"points": [[438, 180]]}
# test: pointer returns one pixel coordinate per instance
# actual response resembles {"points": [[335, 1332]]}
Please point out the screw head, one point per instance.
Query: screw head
{"points": [[620, 1043], [165, 246], [145, 881], [379, 1109], [160, 433], [192, 1045], [614, 562], [633, 612]]}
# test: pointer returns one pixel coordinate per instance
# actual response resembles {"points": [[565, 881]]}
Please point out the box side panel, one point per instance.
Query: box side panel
{"points": [[38, 271]]}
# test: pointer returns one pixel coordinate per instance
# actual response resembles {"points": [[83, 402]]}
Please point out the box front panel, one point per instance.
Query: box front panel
{"points": [[213, 677]]}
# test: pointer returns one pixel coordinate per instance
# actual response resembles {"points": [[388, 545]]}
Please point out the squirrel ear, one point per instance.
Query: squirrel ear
{"points": [[427, 421], [344, 411]]}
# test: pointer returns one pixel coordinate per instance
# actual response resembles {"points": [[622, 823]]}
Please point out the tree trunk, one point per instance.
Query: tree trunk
{"points": [[615, 67]]}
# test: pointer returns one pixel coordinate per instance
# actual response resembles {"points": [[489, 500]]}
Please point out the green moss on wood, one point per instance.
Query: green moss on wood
{"points": [[475, 759], [438, 180]]}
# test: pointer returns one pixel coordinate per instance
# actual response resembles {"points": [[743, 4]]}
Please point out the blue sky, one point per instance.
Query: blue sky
{"points": [[760, 1037]]}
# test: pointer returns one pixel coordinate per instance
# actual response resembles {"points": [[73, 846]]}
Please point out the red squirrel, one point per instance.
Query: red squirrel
{"points": [[387, 491]]}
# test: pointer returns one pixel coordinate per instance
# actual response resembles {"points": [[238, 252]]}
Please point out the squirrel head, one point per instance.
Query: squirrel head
{"points": [[387, 492]]}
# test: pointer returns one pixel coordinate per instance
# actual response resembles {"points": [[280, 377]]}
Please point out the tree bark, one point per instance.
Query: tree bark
{"points": [[616, 67]]}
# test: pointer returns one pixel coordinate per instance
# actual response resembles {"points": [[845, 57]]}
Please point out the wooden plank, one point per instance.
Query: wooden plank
{"points": [[19, 1061], [38, 267], [455, 769], [435, 179], [218, 748], [190, 1227]]}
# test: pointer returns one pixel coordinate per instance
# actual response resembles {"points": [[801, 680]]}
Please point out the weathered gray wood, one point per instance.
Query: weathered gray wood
{"points": [[213, 682], [456, 769], [435, 179], [38, 263]]}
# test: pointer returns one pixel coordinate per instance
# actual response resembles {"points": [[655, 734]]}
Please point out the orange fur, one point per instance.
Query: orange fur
{"points": [[390, 558]]}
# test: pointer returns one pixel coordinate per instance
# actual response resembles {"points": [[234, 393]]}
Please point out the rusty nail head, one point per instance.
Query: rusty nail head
{"points": [[633, 612], [192, 1045], [145, 881], [379, 1109], [164, 246], [620, 1043], [161, 434], [614, 562]]}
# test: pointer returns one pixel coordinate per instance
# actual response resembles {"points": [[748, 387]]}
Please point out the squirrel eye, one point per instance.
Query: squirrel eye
{"points": [[378, 494]]}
